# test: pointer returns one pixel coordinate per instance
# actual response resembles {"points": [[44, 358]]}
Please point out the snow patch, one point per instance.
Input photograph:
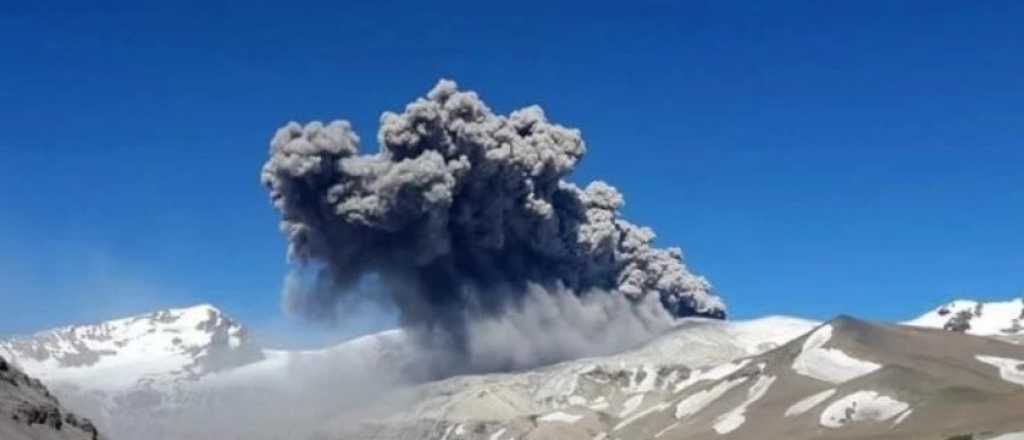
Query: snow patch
{"points": [[829, 364], [698, 401], [715, 373], [562, 417], [809, 402], [861, 406], [666, 430], [599, 404], [575, 400], [1011, 370], [656, 408], [903, 416], [497, 435], [732, 420], [631, 405], [448, 432]]}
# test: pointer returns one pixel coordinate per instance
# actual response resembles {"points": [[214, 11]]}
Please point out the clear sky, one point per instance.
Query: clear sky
{"points": [[811, 158]]}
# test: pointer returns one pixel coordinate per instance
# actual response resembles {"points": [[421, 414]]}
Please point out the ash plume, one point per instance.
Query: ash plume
{"points": [[460, 213]]}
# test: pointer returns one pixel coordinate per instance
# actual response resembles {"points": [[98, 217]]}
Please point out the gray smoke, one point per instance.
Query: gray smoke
{"points": [[460, 214]]}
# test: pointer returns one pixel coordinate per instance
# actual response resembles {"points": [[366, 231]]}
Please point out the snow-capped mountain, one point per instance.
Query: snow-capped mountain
{"points": [[155, 375], [188, 373], [986, 319], [156, 349]]}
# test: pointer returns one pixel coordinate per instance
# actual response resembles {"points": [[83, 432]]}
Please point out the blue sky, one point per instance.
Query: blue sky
{"points": [[811, 158]]}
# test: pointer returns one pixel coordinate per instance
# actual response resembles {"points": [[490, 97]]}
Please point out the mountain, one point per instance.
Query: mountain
{"points": [[1000, 319], [844, 379], [156, 349], [127, 372], [155, 372], [193, 373], [29, 412]]}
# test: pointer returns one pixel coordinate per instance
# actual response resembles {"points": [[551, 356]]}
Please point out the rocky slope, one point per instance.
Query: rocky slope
{"points": [[29, 412]]}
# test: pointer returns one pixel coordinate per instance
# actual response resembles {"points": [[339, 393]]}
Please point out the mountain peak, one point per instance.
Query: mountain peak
{"points": [[996, 318], [177, 343]]}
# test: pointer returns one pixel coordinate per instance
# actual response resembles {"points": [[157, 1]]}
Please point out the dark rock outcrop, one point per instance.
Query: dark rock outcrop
{"points": [[29, 412]]}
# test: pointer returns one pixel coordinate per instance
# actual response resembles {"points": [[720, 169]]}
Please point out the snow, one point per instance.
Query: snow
{"points": [[650, 377], [698, 401], [599, 404], [562, 417], [760, 335], [809, 402], [732, 420], [497, 435], [702, 343], [715, 373], [861, 406], [829, 364], [666, 430], [277, 366], [671, 379], [656, 408], [120, 353], [631, 405], [996, 317], [447, 432], [903, 416], [1011, 370]]}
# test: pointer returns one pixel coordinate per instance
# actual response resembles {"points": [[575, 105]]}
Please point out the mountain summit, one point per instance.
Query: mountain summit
{"points": [[155, 348], [1004, 318]]}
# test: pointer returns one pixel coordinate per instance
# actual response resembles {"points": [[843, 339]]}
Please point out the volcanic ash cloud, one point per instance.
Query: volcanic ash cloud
{"points": [[460, 213]]}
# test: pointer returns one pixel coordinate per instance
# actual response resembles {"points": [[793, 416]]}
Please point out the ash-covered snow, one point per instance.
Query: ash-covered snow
{"points": [[829, 364]]}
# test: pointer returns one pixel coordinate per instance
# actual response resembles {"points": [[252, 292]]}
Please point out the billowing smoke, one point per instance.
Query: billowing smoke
{"points": [[460, 215]]}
